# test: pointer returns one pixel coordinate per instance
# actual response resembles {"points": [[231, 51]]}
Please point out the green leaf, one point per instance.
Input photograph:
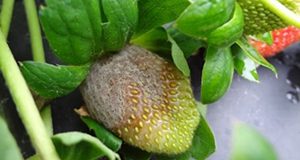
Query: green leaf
{"points": [[228, 33], [121, 17], [203, 145], [154, 13], [244, 66], [158, 40], [204, 16], [187, 44], [217, 74], [265, 37], [179, 58], [133, 153], [254, 55], [248, 144], [8, 147], [79, 146], [73, 29], [155, 40], [202, 108], [51, 81], [105, 136]]}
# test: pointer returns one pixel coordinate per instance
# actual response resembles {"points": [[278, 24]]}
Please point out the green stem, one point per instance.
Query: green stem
{"points": [[25, 104], [47, 119], [283, 12], [37, 52], [35, 31], [5, 15]]}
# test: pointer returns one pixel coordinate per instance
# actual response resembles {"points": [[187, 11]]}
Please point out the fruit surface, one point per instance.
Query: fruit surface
{"points": [[144, 99], [282, 38], [258, 19]]}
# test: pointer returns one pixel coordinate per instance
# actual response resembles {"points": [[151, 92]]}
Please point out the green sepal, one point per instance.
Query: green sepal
{"points": [[204, 16], [228, 33], [155, 40], [264, 37], [244, 66], [105, 136], [217, 74], [179, 58], [187, 44], [253, 54]]}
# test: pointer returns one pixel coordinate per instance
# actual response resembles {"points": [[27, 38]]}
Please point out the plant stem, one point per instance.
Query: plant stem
{"points": [[25, 104], [37, 52], [283, 12], [47, 119], [5, 15], [35, 31]]}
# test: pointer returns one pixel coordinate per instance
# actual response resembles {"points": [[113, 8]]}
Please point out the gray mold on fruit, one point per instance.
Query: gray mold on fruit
{"points": [[144, 99]]}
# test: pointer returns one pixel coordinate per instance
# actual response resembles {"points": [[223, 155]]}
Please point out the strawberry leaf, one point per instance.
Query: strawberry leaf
{"points": [[229, 32], [202, 108], [254, 55], [248, 144], [217, 74], [203, 144], [8, 147], [179, 58], [78, 146], [119, 23], [73, 29], [105, 136], [51, 81], [155, 40], [158, 40], [244, 66], [154, 13], [265, 37], [204, 16], [187, 44]]}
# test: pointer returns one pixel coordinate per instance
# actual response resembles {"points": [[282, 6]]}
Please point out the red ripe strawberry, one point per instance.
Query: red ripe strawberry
{"points": [[282, 38]]}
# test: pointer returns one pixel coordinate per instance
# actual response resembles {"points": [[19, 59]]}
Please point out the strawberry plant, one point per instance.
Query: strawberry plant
{"points": [[129, 60]]}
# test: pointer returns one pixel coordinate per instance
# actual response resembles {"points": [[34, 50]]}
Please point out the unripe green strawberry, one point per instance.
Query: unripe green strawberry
{"points": [[259, 19], [144, 99]]}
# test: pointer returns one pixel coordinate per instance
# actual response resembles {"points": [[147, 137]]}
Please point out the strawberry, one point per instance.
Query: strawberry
{"points": [[282, 38], [259, 19], [144, 99]]}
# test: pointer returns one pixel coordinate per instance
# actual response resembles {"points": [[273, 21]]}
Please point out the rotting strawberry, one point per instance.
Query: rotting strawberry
{"points": [[259, 19], [144, 99], [282, 38]]}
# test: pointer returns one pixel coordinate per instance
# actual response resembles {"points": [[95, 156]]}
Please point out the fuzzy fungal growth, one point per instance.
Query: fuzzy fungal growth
{"points": [[144, 99], [258, 19]]}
